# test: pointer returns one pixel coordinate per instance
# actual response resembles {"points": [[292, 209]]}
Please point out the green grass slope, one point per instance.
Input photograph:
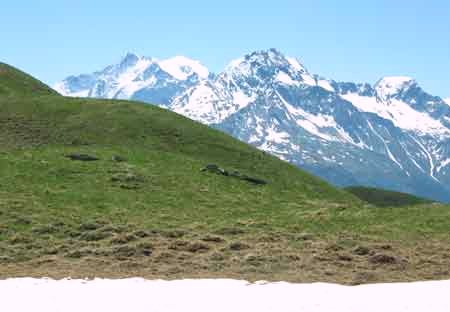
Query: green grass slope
{"points": [[386, 198], [157, 215], [14, 82]]}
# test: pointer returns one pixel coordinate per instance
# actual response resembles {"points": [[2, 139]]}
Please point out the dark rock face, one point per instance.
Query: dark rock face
{"points": [[215, 169], [236, 174], [118, 158], [254, 180], [82, 157]]}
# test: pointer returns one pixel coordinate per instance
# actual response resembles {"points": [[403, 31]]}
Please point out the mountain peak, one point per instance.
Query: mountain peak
{"points": [[272, 55], [393, 85], [181, 67], [269, 52], [129, 59], [267, 59]]}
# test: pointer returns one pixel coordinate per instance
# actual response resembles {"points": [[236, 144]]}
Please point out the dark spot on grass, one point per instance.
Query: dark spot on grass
{"points": [[334, 247], [118, 158], [213, 239], [90, 226], [50, 251], [141, 233], [383, 259], [361, 250], [292, 257], [6, 259], [130, 186], [82, 157], [254, 260], [145, 249], [385, 247], [80, 253], [123, 239], [236, 246], [217, 257], [305, 237], [345, 258], [197, 247], [178, 245]]}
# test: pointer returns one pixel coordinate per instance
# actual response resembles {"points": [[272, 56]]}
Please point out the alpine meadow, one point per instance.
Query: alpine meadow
{"points": [[115, 188]]}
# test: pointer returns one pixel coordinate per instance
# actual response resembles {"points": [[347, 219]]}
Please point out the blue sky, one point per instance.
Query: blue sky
{"points": [[345, 40]]}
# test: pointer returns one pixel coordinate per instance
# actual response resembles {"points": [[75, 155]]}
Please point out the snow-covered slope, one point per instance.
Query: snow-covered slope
{"points": [[136, 295], [385, 105], [182, 68], [391, 134], [140, 78]]}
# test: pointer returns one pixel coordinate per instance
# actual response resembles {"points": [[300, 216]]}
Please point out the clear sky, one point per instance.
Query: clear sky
{"points": [[346, 40]]}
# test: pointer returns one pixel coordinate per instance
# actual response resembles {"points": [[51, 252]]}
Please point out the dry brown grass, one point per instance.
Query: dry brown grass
{"points": [[287, 258]]}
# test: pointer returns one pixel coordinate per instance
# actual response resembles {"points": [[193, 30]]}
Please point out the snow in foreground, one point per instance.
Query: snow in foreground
{"points": [[133, 295]]}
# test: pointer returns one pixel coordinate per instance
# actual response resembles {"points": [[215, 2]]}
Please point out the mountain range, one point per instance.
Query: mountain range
{"points": [[391, 134]]}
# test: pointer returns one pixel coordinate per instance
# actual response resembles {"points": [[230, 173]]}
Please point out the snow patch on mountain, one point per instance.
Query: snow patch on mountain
{"points": [[325, 85], [390, 86], [61, 88], [181, 67], [241, 100], [126, 82], [320, 125], [308, 80], [210, 102], [447, 100], [444, 163], [199, 103], [296, 64], [400, 113], [312, 123], [277, 136], [133, 74], [286, 79]]}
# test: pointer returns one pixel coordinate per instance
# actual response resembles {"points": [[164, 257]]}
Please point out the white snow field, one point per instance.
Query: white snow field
{"points": [[136, 295]]}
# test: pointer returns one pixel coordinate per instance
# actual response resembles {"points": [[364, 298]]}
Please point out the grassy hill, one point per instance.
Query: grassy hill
{"points": [[14, 82], [145, 207], [386, 198]]}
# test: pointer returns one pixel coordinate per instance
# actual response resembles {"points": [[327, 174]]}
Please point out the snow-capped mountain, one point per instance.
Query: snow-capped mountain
{"points": [[137, 78], [391, 134]]}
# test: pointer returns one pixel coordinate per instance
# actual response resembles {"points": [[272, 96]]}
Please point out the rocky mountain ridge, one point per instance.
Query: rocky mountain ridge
{"points": [[392, 134]]}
